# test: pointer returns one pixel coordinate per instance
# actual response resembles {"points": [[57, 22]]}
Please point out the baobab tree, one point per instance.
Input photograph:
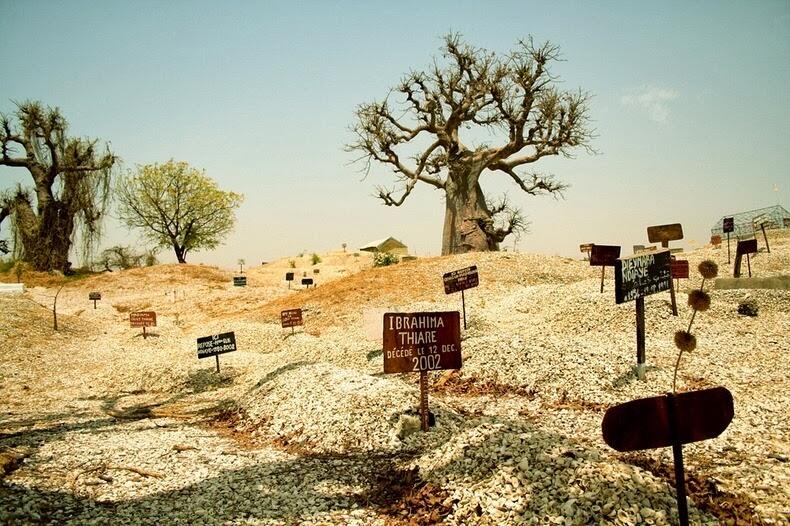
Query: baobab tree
{"points": [[71, 178], [513, 97]]}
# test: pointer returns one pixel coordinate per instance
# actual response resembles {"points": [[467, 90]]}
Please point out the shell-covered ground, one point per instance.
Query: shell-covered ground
{"points": [[99, 425]]}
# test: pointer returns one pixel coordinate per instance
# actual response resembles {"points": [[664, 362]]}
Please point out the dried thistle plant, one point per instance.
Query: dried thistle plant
{"points": [[699, 300]]}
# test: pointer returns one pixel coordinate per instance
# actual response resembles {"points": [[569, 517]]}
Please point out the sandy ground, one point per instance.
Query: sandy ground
{"points": [[101, 426]]}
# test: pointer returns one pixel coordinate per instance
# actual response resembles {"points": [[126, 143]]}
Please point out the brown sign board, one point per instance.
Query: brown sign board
{"points": [[239, 281], [289, 276], [728, 225], [747, 246], [604, 255], [216, 344], [94, 295], [662, 233], [462, 279], [291, 318], [644, 423], [679, 269], [142, 319], [307, 281], [640, 275], [715, 240], [421, 341], [585, 247]]}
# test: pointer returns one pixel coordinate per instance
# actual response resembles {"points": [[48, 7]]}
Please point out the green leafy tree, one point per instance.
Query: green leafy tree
{"points": [[177, 206], [71, 181], [423, 134]]}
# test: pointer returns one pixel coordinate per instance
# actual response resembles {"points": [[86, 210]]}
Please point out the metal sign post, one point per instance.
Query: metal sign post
{"points": [[421, 342], [638, 276], [728, 225], [143, 319], [603, 256], [669, 420], [462, 279], [215, 345], [664, 234]]}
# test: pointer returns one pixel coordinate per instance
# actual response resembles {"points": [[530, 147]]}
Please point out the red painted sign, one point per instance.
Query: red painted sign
{"points": [[142, 319], [291, 318], [421, 341], [645, 423], [679, 269]]}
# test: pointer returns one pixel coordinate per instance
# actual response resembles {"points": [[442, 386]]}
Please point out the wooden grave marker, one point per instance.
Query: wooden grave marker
{"points": [[142, 319], [669, 420], [634, 278], [679, 269], [307, 282], [421, 342], [604, 256], [460, 280], [664, 234], [745, 247], [586, 248], [94, 296], [239, 281], [215, 345], [289, 277], [727, 226], [761, 222], [291, 318]]}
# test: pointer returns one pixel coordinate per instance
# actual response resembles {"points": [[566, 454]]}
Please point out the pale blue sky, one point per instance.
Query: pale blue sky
{"points": [[690, 106]]}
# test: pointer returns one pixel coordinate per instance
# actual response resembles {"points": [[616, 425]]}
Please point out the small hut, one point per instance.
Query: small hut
{"points": [[389, 245]]}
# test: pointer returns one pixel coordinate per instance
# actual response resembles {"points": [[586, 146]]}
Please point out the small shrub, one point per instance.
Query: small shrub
{"points": [[384, 259], [292, 263], [315, 258]]}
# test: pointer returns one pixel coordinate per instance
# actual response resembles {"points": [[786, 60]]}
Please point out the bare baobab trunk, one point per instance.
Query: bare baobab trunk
{"points": [[46, 237], [468, 222]]}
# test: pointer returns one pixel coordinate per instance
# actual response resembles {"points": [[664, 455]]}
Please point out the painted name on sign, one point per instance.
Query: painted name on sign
{"points": [[239, 281], [458, 280], [291, 318], [216, 344], [94, 295], [289, 276], [641, 275], [728, 225], [421, 341], [142, 319], [307, 281]]}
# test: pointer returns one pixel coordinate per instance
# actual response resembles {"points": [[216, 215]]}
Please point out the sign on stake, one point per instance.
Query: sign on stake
{"points": [[291, 318], [215, 345], [669, 420], [604, 256], [142, 319], [747, 246], [664, 234], [462, 279], [421, 342], [728, 225], [289, 277], [634, 278], [94, 296], [679, 269], [239, 281], [585, 248]]}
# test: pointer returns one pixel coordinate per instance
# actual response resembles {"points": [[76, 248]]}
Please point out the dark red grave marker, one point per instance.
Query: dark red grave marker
{"points": [[421, 342], [604, 256], [669, 420], [460, 280], [142, 319]]}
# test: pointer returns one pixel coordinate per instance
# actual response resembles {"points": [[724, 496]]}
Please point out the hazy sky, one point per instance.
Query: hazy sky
{"points": [[690, 106]]}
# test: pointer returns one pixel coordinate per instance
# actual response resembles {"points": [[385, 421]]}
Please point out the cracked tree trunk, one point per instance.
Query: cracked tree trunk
{"points": [[46, 237], [468, 222]]}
